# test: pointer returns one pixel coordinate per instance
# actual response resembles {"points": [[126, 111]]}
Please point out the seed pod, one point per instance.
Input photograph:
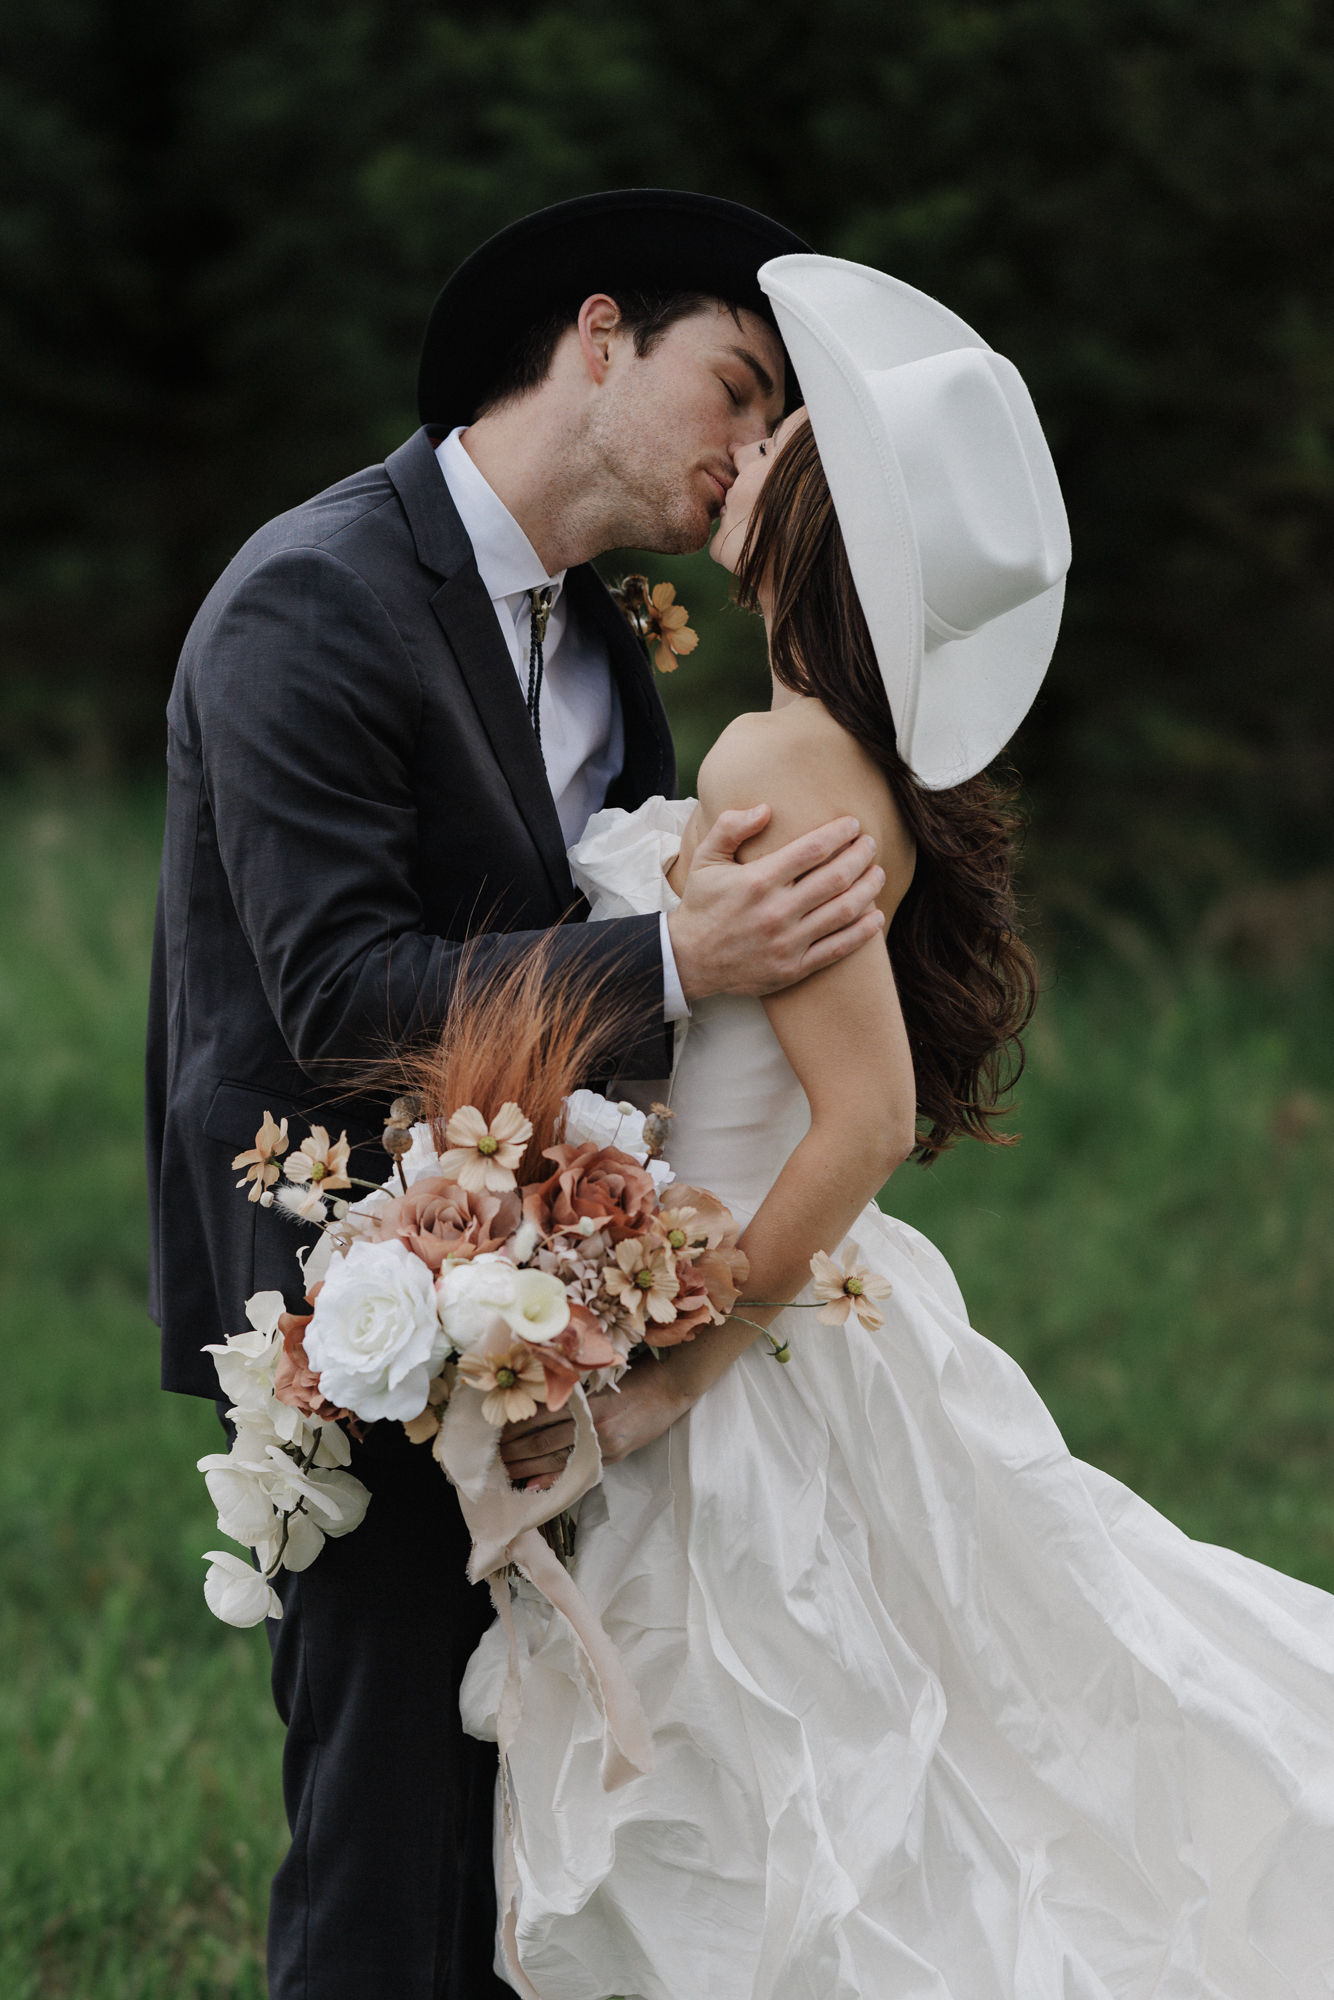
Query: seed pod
{"points": [[397, 1140], [405, 1110], [656, 1130]]}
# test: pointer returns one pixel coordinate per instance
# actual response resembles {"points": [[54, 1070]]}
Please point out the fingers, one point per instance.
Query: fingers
{"points": [[543, 1472], [854, 867], [839, 843], [731, 829], [536, 1448], [840, 944], [839, 911], [549, 1421]]}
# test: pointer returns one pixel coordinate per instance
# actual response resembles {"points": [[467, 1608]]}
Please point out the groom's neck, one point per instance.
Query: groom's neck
{"points": [[529, 459]]}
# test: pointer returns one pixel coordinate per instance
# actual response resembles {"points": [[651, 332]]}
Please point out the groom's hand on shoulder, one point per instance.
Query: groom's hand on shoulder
{"points": [[758, 928]]}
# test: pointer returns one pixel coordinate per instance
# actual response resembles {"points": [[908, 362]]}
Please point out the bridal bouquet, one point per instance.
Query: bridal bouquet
{"points": [[488, 1267]]}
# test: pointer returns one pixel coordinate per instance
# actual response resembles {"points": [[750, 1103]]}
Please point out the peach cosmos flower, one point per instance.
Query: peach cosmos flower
{"points": [[509, 1375], [482, 1158], [439, 1218], [710, 1232], [694, 1309], [320, 1161], [261, 1162], [642, 1279], [666, 627], [844, 1292]]}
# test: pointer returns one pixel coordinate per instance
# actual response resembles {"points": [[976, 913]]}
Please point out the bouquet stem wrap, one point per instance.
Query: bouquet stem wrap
{"points": [[504, 1521]]}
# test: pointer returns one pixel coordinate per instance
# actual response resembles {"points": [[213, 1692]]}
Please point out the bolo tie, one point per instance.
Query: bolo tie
{"points": [[539, 610]]}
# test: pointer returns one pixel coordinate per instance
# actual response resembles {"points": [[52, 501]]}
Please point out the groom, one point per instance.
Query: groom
{"points": [[396, 709]]}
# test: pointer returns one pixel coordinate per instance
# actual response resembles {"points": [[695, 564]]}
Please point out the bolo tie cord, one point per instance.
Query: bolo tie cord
{"points": [[539, 608]]}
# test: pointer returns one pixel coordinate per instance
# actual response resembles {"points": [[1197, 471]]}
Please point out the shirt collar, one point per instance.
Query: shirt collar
{"points": [[507, 562]]}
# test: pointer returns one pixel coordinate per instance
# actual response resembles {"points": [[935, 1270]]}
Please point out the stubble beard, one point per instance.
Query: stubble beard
{"points": [[656, 513]]}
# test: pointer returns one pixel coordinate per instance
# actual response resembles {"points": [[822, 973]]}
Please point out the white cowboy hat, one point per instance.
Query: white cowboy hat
{"points": [[947, 499]]}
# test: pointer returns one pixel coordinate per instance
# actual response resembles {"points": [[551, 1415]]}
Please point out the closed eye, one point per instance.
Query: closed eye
{"points": [[733, 397]]}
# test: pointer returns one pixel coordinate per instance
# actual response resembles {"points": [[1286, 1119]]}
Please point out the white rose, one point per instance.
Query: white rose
{"points": [[471, 1295], [236, 1593], [374, 1339], [541, 1307]]}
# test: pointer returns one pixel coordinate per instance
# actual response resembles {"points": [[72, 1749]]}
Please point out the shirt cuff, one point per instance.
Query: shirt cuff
{"points": [[675, 1006]]}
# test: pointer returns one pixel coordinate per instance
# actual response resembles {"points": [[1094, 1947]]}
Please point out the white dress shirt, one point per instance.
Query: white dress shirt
{"points": [[583, 731]]}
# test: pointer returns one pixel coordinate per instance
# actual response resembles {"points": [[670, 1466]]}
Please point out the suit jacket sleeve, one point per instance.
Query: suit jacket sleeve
{"points": [[308, 709]]}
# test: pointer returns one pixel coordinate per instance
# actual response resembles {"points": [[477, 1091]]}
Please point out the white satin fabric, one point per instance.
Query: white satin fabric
{"points": [[938, 1712]]}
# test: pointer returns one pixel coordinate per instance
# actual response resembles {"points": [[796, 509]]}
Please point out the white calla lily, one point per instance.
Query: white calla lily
{"points": [[540, 1309]]}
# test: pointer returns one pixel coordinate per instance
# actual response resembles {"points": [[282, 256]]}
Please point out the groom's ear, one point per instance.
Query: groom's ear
{"points": [[599, 319]]}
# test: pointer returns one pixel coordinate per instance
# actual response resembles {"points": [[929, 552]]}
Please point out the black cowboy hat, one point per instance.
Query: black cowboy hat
{"points": [[640, 239]]}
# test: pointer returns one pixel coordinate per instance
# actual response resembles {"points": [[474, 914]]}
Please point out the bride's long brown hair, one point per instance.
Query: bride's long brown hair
{"points": [[966, 981]]}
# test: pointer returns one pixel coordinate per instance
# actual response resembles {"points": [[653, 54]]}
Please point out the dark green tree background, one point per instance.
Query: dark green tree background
{"points": [[222, 223]]}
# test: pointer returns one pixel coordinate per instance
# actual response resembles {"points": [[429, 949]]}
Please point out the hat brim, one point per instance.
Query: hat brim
{"points": [[955, 705], [652, 240]]}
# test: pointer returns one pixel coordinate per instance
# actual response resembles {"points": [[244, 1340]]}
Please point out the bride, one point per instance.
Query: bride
{"points": [[938, 1712]]}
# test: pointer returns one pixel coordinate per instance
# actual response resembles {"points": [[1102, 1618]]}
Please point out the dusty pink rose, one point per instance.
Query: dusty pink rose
{"points": [[294, 1380], [437, 1219], [593, 1183]]}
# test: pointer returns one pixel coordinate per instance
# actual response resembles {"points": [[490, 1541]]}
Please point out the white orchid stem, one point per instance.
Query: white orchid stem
{"points": [[304, 1463]]}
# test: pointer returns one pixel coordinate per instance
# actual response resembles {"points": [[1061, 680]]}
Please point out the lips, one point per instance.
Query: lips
{"points": [[720, 490]]}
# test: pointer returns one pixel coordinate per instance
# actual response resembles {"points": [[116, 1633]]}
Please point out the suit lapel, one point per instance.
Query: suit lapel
{"points": [[468, 621]]}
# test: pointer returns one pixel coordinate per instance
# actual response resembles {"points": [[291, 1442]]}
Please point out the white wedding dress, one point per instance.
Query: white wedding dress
{"points": [[938, 1712]]}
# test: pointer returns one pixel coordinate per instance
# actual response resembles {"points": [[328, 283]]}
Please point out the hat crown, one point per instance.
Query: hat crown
{"points": [[991, 530]]}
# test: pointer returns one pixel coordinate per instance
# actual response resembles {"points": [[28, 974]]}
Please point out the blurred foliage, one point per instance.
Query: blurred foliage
{"points": [[221, 226]]}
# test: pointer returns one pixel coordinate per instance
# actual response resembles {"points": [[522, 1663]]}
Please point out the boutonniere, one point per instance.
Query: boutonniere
{"points": [[662, 623]]}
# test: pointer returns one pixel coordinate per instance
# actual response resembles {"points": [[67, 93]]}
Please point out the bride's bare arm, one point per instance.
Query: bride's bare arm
{"points": [[842, 1032]]}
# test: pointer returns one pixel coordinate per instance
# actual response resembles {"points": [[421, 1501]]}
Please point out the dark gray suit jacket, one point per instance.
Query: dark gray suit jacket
{"points": [[354, 787]]}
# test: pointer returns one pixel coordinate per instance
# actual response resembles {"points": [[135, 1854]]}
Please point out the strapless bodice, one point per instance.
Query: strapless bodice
{"points": [[739, 1109]]}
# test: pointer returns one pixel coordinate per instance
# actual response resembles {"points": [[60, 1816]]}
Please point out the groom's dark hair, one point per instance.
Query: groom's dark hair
{"points": [[645, 316]]}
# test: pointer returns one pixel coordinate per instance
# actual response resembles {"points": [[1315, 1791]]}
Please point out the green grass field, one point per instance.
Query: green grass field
{"points": [[1158, 1254]]}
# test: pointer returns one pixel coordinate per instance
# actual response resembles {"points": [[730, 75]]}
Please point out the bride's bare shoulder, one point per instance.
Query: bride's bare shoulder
{"points": [[807, 768]]}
